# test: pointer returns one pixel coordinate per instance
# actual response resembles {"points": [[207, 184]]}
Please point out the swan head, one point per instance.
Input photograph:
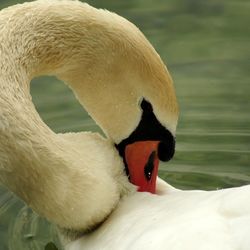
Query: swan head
{"points": [[142, 150]]}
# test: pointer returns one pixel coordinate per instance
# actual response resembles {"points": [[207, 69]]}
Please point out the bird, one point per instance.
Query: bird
{"points": [[102, 192]]}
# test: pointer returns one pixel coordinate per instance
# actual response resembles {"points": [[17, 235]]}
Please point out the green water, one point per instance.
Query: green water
{"points": [[205, 44]]}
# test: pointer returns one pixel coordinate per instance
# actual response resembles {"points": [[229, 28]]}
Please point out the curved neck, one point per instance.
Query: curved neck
{"points": [[110, 67]]}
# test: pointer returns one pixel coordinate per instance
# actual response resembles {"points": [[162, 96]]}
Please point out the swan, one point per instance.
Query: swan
{"points": [[82, 182]]}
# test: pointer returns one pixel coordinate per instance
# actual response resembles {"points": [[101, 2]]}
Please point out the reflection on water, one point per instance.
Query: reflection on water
{"points": [[206, 46]]}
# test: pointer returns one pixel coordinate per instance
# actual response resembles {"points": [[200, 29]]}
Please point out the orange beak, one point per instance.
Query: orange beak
{"points": [[142, 162]]}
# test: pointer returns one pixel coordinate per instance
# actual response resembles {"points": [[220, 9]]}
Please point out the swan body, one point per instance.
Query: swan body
{"points": [[77, 180], [176, 220]]}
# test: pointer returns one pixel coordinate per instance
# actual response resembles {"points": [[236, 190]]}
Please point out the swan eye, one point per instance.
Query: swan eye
{"points": [[149, 167]]}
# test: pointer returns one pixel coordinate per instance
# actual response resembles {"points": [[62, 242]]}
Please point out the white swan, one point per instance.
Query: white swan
{"points": [[77, 180]]}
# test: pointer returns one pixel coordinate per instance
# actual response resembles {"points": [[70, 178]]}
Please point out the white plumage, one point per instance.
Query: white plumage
{"points": [[176, 220]]}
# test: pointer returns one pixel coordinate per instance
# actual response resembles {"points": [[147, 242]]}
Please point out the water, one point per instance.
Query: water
{"points": [[206, 46]]}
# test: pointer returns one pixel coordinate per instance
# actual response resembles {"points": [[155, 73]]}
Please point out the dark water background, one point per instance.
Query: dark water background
{"points": [[205, 44]]}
